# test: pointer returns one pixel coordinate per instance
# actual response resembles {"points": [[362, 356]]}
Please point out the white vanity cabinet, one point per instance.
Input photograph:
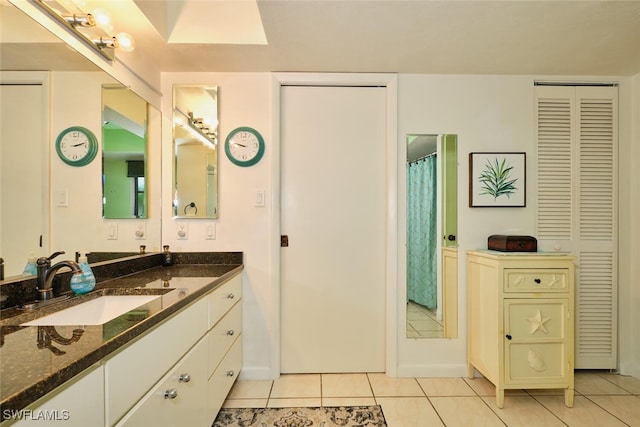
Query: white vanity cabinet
{"points": [[521, 320], [181, 372], [77, 403]]}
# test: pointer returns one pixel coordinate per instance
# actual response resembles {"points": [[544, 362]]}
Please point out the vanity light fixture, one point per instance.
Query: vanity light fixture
{"points": [[93, 29]]}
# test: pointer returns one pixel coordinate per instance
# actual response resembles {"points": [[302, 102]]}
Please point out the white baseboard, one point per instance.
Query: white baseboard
{"points": [[432, 371]]}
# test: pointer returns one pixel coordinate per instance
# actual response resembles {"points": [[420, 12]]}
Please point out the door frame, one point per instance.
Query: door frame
{"points": [[390, 82]]}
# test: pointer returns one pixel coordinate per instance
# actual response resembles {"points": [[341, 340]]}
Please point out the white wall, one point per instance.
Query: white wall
{"points": [[76, 100], [488, 113], [244, 100]]}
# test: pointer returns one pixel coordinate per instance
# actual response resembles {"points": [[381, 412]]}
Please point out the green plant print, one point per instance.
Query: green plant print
{"points": [[496, 180]]}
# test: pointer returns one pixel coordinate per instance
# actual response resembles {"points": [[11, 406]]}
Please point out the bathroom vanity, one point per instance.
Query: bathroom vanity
{"points": [[169, 361]]}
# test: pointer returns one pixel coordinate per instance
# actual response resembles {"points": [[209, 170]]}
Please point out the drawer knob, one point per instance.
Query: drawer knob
{"points": [[230, 332], [171, 394], [538, 281], [508, 337], [184, 378], [231, 296], [230, 373]]}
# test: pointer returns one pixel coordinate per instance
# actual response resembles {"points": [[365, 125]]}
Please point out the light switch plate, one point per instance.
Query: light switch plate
{"points": [[210, 231], [259, 200], [112, 231]]}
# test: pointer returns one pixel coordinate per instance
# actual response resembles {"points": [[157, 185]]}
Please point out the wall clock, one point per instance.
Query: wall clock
{"points": [[76, 146], [244, 146]]}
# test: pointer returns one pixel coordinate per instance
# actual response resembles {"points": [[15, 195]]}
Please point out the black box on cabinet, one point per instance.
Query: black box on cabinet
{"points": [[504, 243]]}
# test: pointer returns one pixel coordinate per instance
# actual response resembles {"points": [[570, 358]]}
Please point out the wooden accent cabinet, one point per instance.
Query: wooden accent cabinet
{"points": [[521, 320]]}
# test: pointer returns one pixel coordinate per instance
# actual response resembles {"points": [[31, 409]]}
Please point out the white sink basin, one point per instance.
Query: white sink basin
{"points": [[95, 312]]}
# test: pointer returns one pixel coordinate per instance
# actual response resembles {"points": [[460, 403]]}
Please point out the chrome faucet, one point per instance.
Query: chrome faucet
{"points": [[46, 272]]}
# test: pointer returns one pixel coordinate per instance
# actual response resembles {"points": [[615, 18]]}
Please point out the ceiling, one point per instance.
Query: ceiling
{"points": [[595, 38]]}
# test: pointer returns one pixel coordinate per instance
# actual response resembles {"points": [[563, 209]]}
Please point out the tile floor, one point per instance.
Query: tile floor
{"points": [[422, 322], [602, 399]]}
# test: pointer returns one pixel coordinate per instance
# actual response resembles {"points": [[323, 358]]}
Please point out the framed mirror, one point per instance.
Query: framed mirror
{"points": [[40, 71], [124, 150], [431, 250], [195, 150]]}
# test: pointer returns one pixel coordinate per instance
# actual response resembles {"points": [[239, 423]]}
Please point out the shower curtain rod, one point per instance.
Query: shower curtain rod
{"points": [[421, 158]]}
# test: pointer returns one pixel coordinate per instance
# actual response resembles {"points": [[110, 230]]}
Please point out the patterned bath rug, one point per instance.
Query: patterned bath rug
{"points": [[343, 416]]}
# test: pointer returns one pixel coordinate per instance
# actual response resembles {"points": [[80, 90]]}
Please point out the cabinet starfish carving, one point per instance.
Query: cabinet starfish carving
{"points": [[521, 320]]}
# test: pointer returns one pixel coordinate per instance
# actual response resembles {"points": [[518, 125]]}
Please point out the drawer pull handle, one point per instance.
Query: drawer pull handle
{"points": [[231, 296], [508, 337], [230, 332], [538, 281], [171, 394], [230, 373], [184, 378]]}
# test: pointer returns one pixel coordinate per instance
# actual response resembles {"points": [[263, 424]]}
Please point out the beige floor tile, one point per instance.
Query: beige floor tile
{"points": [[426, 325], [296, 386], [484, 387], [445, 387], [346, 385], [250, 390], [630, 384], [592, 383], [245, 403], [409, 412], [465, 412], [312, 402], [348, 401], [626, 408], [384, 386], [584, 413], [523, 411]]}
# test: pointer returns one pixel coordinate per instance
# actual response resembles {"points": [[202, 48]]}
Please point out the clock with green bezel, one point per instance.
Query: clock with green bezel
{"points": [[76, 146], [244, 146]]}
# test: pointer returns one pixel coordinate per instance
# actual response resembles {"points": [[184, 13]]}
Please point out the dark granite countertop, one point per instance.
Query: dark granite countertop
{"points": [[34, 360]]}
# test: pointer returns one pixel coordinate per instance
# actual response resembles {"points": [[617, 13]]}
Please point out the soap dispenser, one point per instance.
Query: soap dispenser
{"points": [[167, 257], [85, 282], [30, 268]]}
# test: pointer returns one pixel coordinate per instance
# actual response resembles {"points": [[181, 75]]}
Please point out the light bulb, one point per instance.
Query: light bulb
{"points": [[103, 20], [126, 42]]}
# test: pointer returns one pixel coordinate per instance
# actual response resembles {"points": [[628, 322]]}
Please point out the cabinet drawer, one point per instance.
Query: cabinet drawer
{"points": [[133, 371], [223, 298], [222, 336], [541, 365], [175, 400], [223, 378], [536, 280], [536, 319]]}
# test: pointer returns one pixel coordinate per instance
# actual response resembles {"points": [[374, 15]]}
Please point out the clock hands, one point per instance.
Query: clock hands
{"points": [[77, 145]]}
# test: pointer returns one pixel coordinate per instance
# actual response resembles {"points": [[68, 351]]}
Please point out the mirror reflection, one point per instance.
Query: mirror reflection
{"points": [[124, 148], [195, 142], [431, 236]]}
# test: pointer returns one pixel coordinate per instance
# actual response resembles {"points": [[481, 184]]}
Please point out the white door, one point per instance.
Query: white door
{"points": [[333, 212], [23, 170]]}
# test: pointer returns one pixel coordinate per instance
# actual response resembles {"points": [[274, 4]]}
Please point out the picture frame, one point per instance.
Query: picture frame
{"points": [[497, 179]]}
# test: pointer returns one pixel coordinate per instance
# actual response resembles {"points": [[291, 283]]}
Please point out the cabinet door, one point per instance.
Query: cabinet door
{"points": [[223, 378], [175, 401], [536, 351], [79, 403]]}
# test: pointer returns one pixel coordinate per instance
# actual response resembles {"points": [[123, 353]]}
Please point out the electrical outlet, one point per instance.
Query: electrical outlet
{"points": [[141, 231], [183, 231]]}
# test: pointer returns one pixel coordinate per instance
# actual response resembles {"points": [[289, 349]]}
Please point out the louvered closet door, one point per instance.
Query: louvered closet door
{"points": [[577, 206]]}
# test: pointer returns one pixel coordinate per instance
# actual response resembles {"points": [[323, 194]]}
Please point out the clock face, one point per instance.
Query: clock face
{"points": [[76, 146], [244, 146]]}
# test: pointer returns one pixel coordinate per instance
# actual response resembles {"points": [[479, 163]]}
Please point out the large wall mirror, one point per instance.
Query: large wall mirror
{"points": [[195, 149], [124, 148], [32, 113], [432, 302]]}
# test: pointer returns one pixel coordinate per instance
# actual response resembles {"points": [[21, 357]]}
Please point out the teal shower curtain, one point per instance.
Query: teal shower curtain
{"points": [[421, 232]]}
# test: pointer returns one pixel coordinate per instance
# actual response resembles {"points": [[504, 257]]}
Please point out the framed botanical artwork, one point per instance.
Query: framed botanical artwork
{"points": [[497, 179]]}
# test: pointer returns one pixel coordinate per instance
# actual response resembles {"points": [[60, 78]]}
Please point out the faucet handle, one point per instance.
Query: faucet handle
{"points": [[55, 254]]}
